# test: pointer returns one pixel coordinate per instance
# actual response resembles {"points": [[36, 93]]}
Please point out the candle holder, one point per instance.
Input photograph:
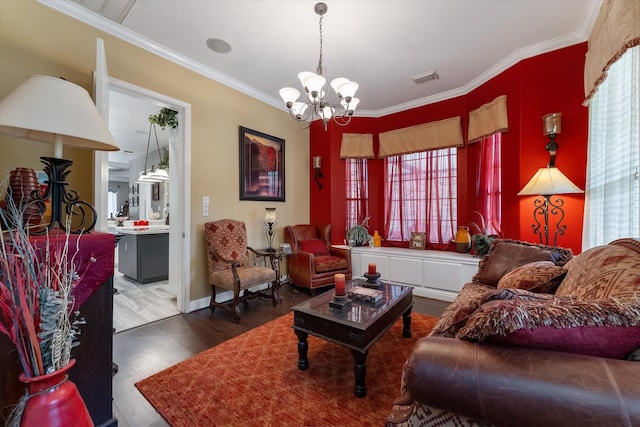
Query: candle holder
{"points": [[341, 302], [373, 280]]}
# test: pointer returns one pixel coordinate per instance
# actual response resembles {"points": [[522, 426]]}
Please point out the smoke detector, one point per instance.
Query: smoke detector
{"points": [[425, 77]]}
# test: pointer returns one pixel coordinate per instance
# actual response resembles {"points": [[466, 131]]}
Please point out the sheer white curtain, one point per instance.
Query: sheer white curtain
{"points": [[612, 201]]}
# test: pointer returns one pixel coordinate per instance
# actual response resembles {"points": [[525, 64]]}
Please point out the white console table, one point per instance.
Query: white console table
{"points": [[435, 274]]}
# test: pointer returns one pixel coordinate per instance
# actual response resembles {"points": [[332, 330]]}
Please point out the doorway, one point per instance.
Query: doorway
{"points": [[179, 185]]}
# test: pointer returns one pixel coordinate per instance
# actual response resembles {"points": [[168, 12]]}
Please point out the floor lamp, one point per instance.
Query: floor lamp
{"points": [[548, 182], [50, 109]]}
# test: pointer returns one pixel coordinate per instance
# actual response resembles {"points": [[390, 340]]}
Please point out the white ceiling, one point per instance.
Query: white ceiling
{"points": [[379, 44]]}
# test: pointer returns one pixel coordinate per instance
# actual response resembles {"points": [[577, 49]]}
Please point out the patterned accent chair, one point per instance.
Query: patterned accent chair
{"points": [[229, 266], [315, 261]]}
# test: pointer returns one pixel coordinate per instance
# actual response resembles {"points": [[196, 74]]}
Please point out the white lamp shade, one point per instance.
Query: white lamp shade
{"points": [[44, 108], [326, 113], [335, 83], [299, 108], [159, 174], [270, 215], [348, 89], [314, 83], [548, 181], [303, 75], [289, 94]]}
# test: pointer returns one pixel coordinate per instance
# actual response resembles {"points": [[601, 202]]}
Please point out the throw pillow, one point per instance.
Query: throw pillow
{"points": [[315, 246], [607, 271], [505, 255], [539, 276], [604, 328]]}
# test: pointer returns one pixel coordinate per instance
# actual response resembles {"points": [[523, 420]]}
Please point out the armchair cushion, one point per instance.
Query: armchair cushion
{"points": [[315, 246], [326, 263], [505, 255]]}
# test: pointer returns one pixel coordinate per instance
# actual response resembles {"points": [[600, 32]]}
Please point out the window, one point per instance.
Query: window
{"points": [[612, 200], [421, 195], [488, 182], [357, 178]]}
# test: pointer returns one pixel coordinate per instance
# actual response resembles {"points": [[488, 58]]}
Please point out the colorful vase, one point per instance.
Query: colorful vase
{"points": [[54, 401], [463, 239]]}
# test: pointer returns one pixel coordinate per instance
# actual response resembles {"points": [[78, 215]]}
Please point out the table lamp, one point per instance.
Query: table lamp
{"points": [[50, 109]]}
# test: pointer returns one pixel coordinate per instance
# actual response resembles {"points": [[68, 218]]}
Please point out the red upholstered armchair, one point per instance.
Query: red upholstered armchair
{"points": [[315, 261]]}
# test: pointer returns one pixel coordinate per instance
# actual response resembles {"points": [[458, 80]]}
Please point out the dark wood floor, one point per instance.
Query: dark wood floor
{"points": [[143, 351]]}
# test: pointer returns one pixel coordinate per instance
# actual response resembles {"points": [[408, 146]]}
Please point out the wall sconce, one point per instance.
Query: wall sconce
{"points": [[317, 164], [270, 221], [547, 182]]}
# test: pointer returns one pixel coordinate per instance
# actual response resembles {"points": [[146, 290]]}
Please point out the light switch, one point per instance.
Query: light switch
{"points": [[205, 200], [205, 211]]}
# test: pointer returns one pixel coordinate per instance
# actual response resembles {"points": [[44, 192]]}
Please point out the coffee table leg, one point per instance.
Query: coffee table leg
{"points": [[360, 372], [406, 321], [303, 346]]}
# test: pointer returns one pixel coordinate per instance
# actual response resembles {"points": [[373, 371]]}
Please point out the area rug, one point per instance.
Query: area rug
{"points": [[254, 380]]}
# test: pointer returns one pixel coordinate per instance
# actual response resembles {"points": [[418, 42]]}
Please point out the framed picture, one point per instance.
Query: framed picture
{"points": [[261, 166], [155, 191], [418, 240], [134, 201]]}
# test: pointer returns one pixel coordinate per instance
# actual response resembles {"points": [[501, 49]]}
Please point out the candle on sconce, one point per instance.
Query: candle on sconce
{"points": [[340, 284], [372, 268]]}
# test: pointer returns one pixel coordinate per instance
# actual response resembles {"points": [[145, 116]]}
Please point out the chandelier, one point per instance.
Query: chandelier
{"points": [[153, 174], [316, 105]]}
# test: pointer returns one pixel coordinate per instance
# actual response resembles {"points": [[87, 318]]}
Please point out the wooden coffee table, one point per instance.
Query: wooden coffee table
{"points": [[356, 328]]}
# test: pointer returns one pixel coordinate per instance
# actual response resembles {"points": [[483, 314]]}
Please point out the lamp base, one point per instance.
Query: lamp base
{"points": [[80, 216]]}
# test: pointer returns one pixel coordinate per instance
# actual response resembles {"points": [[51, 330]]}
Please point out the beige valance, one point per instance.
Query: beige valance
{"points": [[488, 119], [356, 146], [616, 29], [429, 136]]}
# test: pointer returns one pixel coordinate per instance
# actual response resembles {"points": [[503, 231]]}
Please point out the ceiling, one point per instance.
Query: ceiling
{"points": [[379, 44]]}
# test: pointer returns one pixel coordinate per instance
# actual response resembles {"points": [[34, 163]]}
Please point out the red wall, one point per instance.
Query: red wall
{"points": [[547, 83]]}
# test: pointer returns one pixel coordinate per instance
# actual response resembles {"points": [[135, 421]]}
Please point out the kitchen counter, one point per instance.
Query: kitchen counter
{"points": [[143, 253], [142, 230]]}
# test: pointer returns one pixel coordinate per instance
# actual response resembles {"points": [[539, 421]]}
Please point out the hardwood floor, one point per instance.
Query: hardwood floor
{"points": [[143, 351]]}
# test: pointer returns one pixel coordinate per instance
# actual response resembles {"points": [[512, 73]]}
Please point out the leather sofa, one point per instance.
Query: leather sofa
{"points": [[514, 356]]}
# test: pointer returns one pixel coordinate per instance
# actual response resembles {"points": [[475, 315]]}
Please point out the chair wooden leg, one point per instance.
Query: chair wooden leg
{"points": [[236, 306], [275, 292], [212, 306]]}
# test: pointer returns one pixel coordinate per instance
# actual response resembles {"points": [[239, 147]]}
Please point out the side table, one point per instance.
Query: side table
{"points": [[275, 257]]}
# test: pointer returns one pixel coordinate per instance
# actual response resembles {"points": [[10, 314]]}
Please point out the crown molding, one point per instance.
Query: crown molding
{"points": [[88, 17]]}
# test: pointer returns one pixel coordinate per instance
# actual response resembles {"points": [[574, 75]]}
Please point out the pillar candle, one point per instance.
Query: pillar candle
{"points": [[340, 284], [372, 268]]}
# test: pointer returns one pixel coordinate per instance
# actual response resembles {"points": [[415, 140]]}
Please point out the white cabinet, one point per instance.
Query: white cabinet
{"points": [[435, 274]]}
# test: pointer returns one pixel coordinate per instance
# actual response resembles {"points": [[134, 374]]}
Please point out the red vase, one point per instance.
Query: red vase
{"points": [[54, 401]]}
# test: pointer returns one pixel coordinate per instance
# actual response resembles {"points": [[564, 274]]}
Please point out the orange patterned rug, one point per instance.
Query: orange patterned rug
{"points": [[254, 380]]}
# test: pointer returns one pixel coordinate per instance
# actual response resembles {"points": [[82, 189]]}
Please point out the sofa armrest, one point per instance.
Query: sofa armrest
{"points": [[502, 384], [342, 253]]}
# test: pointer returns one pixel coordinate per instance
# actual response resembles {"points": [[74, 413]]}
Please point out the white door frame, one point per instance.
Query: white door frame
{"points": [[179, 186]]}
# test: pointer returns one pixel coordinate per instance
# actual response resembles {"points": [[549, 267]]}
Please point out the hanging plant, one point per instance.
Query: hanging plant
{"points": [[165, 118]]}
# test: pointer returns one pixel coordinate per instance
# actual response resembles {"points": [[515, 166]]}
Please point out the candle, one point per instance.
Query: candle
{"points": [[372, 268], [340, 285]]}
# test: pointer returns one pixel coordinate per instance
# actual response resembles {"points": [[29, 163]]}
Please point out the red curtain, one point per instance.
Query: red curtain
{"points": [[488, 183], [357, 179], [421, 195]]}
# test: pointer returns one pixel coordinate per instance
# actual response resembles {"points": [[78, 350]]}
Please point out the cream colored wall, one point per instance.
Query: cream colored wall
{"points": [[35, 39]]}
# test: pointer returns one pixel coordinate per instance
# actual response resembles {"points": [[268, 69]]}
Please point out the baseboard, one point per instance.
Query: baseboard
{"points": [[434, 294], [223, 296]]}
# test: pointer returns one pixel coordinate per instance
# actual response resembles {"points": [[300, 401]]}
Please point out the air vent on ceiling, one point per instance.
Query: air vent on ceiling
{"points": [[426, 77]]}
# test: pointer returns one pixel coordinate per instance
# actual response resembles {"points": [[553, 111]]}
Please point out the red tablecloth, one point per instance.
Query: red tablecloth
{"points": [[94, 261]]}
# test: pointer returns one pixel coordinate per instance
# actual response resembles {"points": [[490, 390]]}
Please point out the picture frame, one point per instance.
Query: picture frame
{"points": [[418, 240], [155, 191], [261, 166]]}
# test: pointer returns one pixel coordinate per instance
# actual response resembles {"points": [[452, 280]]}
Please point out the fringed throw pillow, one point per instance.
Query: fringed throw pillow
{"points": [[604, 328]]}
